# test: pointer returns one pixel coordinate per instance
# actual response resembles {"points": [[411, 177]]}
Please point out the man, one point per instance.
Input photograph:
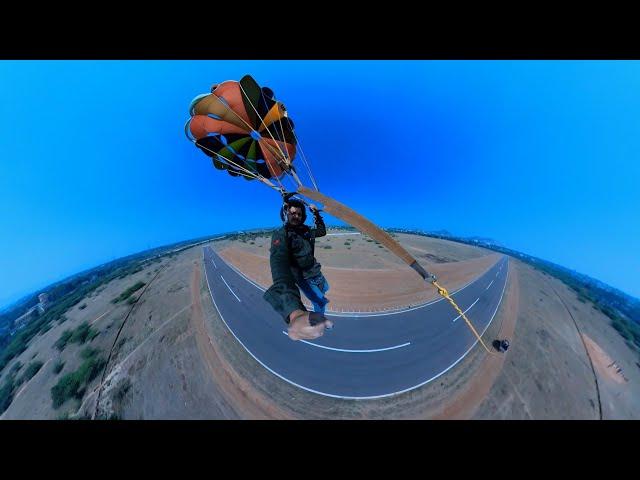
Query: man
{"points": [[293, 265]]}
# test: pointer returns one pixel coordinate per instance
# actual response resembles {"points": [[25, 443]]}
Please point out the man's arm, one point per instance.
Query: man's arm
{"points": [[283, 295], [319, 230]]}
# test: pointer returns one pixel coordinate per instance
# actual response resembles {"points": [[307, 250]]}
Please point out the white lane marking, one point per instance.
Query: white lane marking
{"points": [[225, 282], [489, 285], [214, 262], [353, 351], [358, 314], [240, 273], [499, 301], [256, 358], [466, 309], [349, 397]]}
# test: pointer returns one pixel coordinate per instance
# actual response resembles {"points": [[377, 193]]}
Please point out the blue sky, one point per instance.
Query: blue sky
{"points": [[541, 156]]}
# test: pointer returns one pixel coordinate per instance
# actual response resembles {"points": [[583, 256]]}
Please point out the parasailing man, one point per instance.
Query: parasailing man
{"points": [[293, 265]]}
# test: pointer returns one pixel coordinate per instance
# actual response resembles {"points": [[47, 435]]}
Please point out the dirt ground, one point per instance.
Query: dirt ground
{"points": [[175, 358], [604, 365], [33, 399], [370, 289], [548, 372]]}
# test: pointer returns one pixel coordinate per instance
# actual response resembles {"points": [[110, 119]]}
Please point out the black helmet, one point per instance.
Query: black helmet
{"points": [[292, 202]]}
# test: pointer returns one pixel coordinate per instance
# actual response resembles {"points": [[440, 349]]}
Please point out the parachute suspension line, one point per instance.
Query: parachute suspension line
{"points": [[248, 174], [294, 174], [282, 154], [444, 293], [304, 159], [292, 170], [259, 177], [284, 140], [234, 112], [272, 150]]}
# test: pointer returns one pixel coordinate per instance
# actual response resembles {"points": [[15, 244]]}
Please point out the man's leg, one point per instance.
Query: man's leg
{"points": [[320, 286], [312, 292]]}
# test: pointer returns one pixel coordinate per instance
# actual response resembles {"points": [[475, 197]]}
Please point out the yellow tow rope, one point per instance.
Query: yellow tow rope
{"points": [[443, 291]]}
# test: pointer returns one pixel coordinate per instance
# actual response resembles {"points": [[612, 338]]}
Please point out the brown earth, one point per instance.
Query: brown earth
{"points": [[236, 388], [370, 289], [34, 401], [606, 367], [548, 373], [176, 359]]}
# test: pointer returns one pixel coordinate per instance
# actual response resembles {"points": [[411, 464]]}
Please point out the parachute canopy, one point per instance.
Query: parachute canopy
{"points": [[243, 129]]}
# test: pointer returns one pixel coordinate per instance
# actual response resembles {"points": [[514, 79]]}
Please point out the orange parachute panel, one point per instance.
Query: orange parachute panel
{"points": [[201, 126], [231, 93]]}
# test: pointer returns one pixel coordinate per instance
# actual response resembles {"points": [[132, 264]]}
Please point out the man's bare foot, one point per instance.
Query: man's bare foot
{"points": [[307, 325]]}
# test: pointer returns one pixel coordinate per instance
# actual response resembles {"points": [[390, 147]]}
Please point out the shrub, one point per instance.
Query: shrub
{"points": [[61, 343], [128, 292], [83, 306], [89, 352], [63, 416], [81, 333], [67, 387], [31, 370], [73, 384], [121, 390], [57, 367], [622, 330], [16, 366], [6, 393]]}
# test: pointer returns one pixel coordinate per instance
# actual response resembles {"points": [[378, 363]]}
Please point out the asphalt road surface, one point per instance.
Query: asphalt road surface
{"points": [[364, 355]]}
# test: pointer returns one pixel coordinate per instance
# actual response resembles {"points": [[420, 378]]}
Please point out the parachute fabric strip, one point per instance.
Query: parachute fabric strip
{"points": [[367, 227]]}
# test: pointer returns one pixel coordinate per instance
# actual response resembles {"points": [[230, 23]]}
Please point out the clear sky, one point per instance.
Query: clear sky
{"points": [[541, 156]]}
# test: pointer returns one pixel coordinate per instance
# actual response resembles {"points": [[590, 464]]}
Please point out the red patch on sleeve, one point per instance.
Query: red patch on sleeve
{"points": [[276, 242]]}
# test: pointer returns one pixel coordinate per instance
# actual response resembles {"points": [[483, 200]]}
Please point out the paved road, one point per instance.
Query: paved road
{"points": [[363, 356]]}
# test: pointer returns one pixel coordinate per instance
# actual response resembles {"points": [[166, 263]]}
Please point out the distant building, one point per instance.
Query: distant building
{"points": [[22, 320], [33, 312]]}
